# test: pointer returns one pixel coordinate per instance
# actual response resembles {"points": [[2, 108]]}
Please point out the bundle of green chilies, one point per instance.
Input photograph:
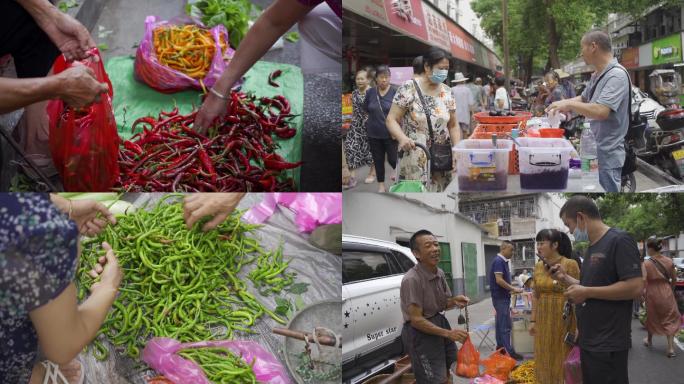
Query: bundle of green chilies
{"points": [[178, 283], [238, 153]]}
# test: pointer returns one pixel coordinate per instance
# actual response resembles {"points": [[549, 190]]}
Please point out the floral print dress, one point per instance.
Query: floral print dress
{"points": [[38, 257], [356, 147], [414, 125]]}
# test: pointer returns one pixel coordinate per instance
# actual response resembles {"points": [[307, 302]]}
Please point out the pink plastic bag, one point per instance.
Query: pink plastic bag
{"points": [[486, 379], [572, 367], [160, 354], [164, 79], [311, 209]]}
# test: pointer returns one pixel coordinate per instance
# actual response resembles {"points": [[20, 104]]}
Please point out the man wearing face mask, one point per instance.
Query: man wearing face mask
{"points": [[610, 278]]}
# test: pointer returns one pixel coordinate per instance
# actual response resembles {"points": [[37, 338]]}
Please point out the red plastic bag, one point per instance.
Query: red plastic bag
{"points": [[468, 361], [167, 80], [84, 143], [572, 367], [499, 365]]}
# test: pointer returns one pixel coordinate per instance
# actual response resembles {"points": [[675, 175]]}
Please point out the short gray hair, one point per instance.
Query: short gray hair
{"points": [[600, 37]]}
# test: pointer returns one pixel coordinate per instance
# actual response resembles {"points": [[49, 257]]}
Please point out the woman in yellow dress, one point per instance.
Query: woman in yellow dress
{"points": [[548, 325]]}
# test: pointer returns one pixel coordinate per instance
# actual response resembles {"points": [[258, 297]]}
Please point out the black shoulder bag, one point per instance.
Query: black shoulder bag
{"points": [[440, 153], [636, 127]]}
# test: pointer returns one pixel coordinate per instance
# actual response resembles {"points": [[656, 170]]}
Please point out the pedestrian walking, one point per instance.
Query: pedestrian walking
{"points": [[465, 102], [662, 314], [356, 147]]}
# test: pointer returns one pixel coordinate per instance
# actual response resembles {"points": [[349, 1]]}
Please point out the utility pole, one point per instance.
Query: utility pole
{"points": [[504, 6]]}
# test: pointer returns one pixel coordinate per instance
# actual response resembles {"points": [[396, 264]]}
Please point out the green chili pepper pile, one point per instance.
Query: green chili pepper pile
{"points": [[265, 276], [220, 365], [178, 283]]}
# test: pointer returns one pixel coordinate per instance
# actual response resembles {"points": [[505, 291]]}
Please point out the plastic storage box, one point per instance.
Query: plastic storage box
{"points": [[481, 166], [544, 163]]}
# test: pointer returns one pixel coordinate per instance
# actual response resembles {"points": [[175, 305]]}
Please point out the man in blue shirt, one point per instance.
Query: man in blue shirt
{"points": [[501, 288]]}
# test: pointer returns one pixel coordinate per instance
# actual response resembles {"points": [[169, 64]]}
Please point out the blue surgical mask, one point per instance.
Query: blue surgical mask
{"points": [[580, 235], [439, 75]]}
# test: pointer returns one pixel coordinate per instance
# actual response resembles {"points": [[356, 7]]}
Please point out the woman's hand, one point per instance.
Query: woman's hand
{"points": [[84, 213], [216, 205], [212, 108], [406, 144], [108, 270]]}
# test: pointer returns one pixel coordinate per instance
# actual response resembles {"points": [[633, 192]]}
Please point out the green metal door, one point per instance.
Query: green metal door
{"points": [[445, 264], [469, 260]]}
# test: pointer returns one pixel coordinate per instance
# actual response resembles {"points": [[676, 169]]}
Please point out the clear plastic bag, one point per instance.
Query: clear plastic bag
{"points": [[167, 80], [160, 355], [311, 209]]}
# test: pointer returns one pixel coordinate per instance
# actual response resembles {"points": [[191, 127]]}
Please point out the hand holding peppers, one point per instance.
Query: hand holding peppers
{"points": [[108, 270], [217, 205]]}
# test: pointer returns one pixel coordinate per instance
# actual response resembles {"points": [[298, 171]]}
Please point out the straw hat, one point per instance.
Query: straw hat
{"points": [[460, 78], [561, 73]]}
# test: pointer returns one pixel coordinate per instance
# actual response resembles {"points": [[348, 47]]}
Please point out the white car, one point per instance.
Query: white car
{"points": [[371, 279]]}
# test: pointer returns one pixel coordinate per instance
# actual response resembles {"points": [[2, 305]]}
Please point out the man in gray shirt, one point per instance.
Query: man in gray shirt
{"points": [[427, 336], [606, 109]]}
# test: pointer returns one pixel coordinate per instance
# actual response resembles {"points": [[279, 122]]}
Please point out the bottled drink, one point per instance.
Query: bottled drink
{"points": [[589, 158]]}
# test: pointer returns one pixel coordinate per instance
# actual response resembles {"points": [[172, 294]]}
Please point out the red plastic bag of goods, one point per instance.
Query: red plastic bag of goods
{"points": [[468, 360], [84, 142], [176, 54], [499, 364]]}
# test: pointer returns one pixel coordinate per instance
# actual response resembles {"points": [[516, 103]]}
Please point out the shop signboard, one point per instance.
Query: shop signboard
{"points": [[667, 50], [646, 55], [630, 57], [436, 26], [407, 16], [371, 9], [462, 46]]}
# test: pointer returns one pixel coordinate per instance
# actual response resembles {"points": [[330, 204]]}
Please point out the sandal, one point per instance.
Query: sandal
{"points": [[351, 184], [671, 355], [54, 376], [370, 179], [646, 343]]}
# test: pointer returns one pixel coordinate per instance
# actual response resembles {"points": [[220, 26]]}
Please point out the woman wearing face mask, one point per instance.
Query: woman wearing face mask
{"points": [[547, 324], [356, 148], [377, 104], [662, 315], [407, 111]]}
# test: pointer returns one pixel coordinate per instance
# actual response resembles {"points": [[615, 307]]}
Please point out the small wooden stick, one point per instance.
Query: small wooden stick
{"points": [[299, 335]]}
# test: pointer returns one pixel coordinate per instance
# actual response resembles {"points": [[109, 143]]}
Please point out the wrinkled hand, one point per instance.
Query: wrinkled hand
{"points": [[212, 108], [84, 213], [460, 301], [78, 86], [457, 335], [559, 106], [217, 205], [69, 35], [108, 270], [576, 294]]}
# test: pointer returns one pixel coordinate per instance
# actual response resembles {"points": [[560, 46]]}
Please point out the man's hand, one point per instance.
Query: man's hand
{"points": [[78, 87], [460, 301], [577, 294], [517, 290], [560, 106], [457, 335], [70, 36], [217, 205]]}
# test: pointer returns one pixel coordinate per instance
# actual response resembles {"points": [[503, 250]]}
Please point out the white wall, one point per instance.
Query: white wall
{"points": [[549, 210], [386, 217]]}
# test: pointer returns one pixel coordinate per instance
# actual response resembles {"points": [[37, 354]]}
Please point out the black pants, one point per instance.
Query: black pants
{"points": [[379, 148], [20, 36], [604, 367], [430, 355]]}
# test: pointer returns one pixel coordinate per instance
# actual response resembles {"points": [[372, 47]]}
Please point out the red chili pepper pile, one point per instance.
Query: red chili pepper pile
{"points": [[237, 155]]}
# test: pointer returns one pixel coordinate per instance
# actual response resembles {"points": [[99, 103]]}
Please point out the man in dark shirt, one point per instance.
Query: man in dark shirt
{"points": [[501, 288], [425, 295], [610, 279]]}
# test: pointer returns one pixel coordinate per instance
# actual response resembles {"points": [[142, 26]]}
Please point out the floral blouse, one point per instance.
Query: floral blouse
{"points": [[415, 123], [38, 257]]}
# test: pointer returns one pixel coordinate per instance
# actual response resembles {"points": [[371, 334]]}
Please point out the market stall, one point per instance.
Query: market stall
{"points": [[239, 282], [513, 152]]}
